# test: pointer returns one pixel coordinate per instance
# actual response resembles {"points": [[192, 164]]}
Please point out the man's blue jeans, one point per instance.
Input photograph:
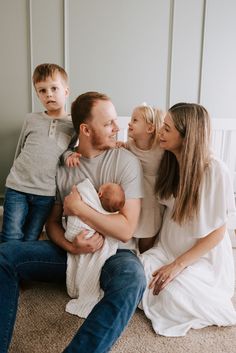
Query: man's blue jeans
{"points": [[24, 215], [122, 280]]}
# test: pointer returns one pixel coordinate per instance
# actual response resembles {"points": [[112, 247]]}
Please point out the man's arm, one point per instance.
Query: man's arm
{"points": [[120, 225], [80, 244]]}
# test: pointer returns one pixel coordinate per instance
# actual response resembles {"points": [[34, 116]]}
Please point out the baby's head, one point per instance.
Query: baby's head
{"points": [[43, 71], [112, 197], [153, 118]]}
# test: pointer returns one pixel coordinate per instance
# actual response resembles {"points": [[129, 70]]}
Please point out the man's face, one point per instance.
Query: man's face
{"points": [[103, 125]]}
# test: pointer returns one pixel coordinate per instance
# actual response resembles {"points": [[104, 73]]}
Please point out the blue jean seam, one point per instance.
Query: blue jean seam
{"points": [[11, 311]]}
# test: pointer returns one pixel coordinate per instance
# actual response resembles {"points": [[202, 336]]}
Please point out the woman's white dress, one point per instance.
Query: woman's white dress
{"points": [[201, 294]]}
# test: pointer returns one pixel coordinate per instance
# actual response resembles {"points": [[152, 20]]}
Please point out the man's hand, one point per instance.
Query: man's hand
{"points": [[72, 202], [82, 245]]}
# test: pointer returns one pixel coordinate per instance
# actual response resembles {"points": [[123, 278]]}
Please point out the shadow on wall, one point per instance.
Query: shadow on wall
{"points": [[7, 151]]}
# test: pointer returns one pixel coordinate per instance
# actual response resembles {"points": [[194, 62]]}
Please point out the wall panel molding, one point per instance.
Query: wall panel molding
{"points": [[31, 68], [202, 50], [170, 45]]}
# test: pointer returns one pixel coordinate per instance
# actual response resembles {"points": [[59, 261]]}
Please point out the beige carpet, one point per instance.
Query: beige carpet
{"points": [[43, 327]]}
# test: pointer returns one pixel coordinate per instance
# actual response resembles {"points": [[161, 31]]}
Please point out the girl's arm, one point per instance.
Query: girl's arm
{"points": [[165, 274]]}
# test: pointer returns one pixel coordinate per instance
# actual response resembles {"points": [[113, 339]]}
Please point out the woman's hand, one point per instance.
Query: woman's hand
{"points": [[83, 245], [164, 275]]}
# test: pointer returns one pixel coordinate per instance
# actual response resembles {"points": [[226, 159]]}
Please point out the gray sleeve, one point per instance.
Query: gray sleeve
{"points": [[21, 140], [132, 176]]}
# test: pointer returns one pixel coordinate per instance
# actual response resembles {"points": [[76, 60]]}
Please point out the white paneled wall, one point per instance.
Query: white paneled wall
{"points": [[186, 58], [158, 51], [218, 89]]}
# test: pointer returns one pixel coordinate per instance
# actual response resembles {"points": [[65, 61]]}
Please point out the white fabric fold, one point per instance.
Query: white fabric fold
{"points": [[83, 271]]}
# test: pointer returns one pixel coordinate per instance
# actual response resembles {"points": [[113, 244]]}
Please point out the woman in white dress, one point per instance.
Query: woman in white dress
{"points": [[190, 270]]}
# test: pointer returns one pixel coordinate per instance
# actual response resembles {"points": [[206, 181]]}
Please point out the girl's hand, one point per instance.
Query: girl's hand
{"points": [[120, 144], [164, 275], [73, 159]]}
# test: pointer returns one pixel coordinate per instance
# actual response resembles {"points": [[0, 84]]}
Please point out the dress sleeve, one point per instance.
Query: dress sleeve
{"points": [[217, 205]]}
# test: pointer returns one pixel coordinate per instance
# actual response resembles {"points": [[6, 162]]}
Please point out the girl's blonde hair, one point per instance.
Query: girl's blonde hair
{"points": [[152, 116], [183, 180]]}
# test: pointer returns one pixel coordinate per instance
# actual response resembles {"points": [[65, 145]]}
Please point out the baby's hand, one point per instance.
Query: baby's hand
{"points": [[120, 144], [73, 159]]}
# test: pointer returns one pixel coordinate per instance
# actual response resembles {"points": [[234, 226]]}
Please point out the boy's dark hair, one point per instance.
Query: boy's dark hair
{"points": [[82, 106], [42, 71]]}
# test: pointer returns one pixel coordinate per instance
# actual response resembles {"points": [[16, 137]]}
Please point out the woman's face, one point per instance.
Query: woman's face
{"points": [[170, 138]]}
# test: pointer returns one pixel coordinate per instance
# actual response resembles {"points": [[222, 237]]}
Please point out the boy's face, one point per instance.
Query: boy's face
{"points": [[52, 93]]}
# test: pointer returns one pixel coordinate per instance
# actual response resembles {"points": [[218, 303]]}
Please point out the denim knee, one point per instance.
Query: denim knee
{"points": [[123, 271], [8, 252]]}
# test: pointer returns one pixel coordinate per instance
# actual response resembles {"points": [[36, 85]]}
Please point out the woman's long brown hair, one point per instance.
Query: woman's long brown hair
{"points": [[183, 180]]}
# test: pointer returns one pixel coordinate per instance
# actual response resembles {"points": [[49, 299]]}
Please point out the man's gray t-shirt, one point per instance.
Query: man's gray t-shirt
{"points": [[115, 165]]}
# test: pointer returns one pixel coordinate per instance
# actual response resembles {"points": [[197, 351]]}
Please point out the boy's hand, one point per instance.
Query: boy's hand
{"points": [[73, 159], [72, 202]]}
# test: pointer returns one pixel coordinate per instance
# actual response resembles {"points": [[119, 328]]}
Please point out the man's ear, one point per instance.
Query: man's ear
{"points": [[84, 129]]}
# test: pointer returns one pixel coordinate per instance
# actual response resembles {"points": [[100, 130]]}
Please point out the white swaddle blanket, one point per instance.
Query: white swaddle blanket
{"points": [[83, 271]]}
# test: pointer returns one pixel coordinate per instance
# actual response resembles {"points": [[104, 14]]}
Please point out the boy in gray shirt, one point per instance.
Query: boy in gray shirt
{"points": [[30, 185]]}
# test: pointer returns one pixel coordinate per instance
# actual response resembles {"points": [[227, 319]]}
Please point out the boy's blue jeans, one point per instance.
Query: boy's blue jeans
{"points": [[122, 280], [24, 215]]}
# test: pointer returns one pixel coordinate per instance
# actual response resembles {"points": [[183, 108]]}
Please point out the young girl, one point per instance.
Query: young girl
{"points": [[143, 141], [190, 270]]}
